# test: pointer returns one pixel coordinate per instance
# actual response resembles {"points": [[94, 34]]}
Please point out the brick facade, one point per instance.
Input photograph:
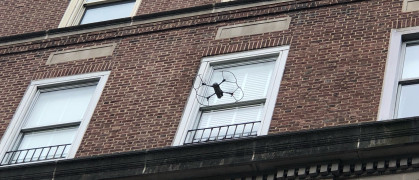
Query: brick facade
{"points": [[151, 6], [333, 75], [22, 16]]}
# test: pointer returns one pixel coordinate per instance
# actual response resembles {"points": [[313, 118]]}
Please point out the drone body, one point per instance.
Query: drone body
{"points": [[218, 91]]}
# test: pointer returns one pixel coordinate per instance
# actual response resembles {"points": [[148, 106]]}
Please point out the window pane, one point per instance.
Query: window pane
{"points": [[107, 11], [43, 145], [411, 62], [409, 101], [48, 138], [227, 124], [231, 116], [61, 106], [252, 78]]}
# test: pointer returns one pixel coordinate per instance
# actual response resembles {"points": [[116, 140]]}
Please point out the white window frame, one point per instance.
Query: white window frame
{"points": [[76, 9], [192, 106], [392, 74], [14, 129]]}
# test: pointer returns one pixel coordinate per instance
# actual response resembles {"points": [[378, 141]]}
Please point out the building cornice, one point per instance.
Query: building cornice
{"points": [[181, 18], [363, 143]]}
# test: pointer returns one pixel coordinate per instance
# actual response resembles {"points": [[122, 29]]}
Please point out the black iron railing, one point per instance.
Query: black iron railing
{"points": [[35, 154], [218, 133]]}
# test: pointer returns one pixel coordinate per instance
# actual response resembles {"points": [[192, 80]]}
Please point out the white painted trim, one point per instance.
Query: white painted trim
{"points": [[192, 106], [71, 13], [273, 91], [75, 11], [190, 111], [135, 8], [13, 130], [89, 112], [247, 54], [139, 22], [392, 73]]}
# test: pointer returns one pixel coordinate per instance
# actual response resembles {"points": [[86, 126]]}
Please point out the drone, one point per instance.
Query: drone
{"points": [[230, 87]]}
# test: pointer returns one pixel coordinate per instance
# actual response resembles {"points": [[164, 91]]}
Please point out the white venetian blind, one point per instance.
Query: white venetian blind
{"points": [[231, 116], [254, 80], [61, 106], [48, 138], [44, 144]]}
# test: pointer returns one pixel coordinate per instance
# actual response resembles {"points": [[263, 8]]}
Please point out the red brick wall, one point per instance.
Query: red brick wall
{"points": [[333, 75], [336, 64], [153, 6], [23, 16]]}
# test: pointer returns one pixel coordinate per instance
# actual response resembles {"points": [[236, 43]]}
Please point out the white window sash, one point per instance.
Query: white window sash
{"points": [[192, 106], [403, 81]]}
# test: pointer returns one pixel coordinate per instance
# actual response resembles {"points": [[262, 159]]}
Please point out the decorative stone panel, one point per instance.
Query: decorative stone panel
{"points": [[410, 5], [82, 53], [258, 27]]}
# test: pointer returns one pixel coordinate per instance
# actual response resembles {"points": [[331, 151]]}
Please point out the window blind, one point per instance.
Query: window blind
{"points": [[253, 78], [61, 106]]}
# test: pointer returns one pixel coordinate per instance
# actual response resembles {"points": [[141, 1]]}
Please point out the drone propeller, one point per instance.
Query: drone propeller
{"points": [[218, 89]]}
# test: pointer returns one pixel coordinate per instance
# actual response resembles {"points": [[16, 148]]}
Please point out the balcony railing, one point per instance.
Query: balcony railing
{"points": [[35, 154], [219, 133]]}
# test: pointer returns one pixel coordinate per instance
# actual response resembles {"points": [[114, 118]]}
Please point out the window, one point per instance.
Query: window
{"points": [[258, 74], [90, 11], [399, 97], [51, 119], [408, 84]]}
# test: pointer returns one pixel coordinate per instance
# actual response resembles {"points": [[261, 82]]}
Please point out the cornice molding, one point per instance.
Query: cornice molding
{"points": [[195, 16], [351, 144]]}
